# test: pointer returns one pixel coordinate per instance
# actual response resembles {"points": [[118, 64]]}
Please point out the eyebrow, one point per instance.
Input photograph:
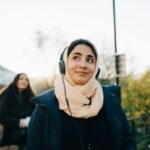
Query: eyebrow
{"points": [[77, 53]]}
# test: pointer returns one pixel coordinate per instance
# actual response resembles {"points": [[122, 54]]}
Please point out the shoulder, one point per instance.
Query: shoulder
{"points": [[112, 89], [44, 98], [111, 97], [111, 92], [112, 103]]}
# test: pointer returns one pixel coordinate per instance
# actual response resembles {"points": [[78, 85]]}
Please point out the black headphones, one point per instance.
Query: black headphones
{"points": [[98, 73], [62, 69]]}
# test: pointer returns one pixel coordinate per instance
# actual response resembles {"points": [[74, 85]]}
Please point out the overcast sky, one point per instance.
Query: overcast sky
{"points": [[71, 19]]}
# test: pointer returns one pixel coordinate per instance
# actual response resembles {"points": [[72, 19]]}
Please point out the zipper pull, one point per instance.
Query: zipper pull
{"points": [[89, 146]]}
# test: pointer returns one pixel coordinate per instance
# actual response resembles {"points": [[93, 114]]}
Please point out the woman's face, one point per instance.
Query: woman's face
{"points": [[81, 64], [22, 82]]}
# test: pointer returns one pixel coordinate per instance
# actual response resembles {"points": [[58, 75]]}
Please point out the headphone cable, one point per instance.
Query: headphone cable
{"points": [[75, 123]]}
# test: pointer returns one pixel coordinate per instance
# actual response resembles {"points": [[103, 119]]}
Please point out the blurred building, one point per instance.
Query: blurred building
{"points": [[39, 84], [6, 76]]}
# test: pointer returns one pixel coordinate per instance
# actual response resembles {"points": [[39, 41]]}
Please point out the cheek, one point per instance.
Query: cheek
{"points": [[71, 66], [26, 83], [92, 69], [18, 83]]}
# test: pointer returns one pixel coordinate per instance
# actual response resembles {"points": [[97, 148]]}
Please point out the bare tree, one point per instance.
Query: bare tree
{"points": [[48, 43], [107, 61]]}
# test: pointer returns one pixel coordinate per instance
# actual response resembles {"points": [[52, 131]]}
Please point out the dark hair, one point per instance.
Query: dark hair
{"points": [[12, 89], [84, 42]]}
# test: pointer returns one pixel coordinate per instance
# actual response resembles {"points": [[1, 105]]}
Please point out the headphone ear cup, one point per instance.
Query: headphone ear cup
{"points": [[62, 69], [98, 73]]}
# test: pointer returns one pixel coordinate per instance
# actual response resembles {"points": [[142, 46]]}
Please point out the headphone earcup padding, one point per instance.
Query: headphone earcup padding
{"points": [[98, 72]]}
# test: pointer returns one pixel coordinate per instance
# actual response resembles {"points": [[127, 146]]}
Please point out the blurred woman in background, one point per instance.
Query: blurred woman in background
{"points": [[15, 111]]}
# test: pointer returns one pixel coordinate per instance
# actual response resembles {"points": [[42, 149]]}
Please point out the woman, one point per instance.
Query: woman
{"points": [[15, 110], [79, 114]]}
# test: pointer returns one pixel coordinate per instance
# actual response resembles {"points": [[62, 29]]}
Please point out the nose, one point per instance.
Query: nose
{"points": [[24, 81], [83, 63]]}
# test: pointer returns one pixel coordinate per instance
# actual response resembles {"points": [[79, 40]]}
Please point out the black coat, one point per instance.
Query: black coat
{"points": [[12, 109], [44, 132]]}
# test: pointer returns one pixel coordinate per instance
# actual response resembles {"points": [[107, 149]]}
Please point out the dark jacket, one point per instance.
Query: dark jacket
{"points": [[44, 132], [12, 109]]}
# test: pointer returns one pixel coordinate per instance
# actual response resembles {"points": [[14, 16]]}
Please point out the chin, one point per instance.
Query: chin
{"points": [[23, 88], [81, 82]]}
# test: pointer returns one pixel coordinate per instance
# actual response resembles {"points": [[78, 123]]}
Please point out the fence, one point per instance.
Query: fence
{"points": [[141, 128]]}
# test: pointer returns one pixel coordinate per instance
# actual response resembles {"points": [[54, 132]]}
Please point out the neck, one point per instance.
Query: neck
{"points": [[20, 91]]}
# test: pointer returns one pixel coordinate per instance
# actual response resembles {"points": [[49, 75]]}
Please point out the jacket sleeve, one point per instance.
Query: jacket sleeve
{"points": [[5, 116], [36, 130], [129, 140]]}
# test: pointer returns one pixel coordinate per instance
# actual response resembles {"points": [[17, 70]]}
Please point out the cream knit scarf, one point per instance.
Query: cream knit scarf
{"points": [[84, 100]]}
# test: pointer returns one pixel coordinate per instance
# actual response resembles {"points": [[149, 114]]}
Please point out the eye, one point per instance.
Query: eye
{"points": [[21, 78], [76, 58], [90, 60], [27, 80]]}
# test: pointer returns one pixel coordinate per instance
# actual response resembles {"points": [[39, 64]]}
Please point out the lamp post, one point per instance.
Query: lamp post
{"points": [[116, 58], [115, 44]]}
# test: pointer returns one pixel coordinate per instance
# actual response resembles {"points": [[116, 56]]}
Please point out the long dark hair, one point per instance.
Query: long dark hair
{"points": [[12, 90]]}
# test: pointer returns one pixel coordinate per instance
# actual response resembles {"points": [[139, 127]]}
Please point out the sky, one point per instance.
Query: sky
{"points": [[66, 20]]}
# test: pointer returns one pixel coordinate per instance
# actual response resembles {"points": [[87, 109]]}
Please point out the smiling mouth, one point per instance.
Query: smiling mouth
{"points": [[82, 73]]}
